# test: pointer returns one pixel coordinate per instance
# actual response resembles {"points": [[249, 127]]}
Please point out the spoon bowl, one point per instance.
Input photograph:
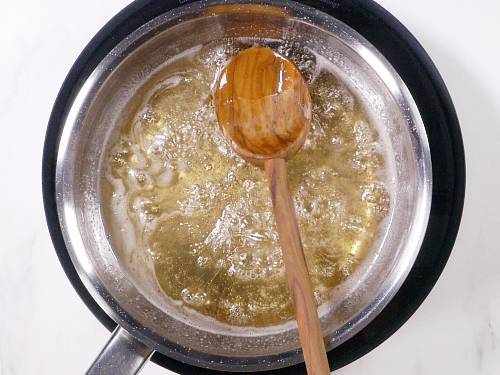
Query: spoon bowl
{"points": [[263, 105]]}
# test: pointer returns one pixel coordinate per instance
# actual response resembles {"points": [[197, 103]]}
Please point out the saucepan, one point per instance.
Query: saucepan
{"points": [[90, 107]]}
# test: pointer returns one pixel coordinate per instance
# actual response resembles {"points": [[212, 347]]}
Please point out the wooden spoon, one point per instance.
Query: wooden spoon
{"points": [[263, 106]]}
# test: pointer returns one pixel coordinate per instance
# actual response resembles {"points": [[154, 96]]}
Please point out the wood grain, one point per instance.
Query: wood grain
{"points": [[298, 279], [266, 111]]}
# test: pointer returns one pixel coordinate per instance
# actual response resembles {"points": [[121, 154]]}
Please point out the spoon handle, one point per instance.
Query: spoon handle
{"points": [[299, 282]]}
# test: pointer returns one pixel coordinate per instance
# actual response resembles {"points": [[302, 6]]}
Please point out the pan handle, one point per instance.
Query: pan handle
{"points": [[123, 354]]}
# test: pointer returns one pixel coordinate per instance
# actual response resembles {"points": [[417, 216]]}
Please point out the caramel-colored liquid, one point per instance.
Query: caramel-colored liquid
{"points": [[203, 216]]}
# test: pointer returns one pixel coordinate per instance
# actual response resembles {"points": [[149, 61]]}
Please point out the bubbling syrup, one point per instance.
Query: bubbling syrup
{"points": [[203, 217]]}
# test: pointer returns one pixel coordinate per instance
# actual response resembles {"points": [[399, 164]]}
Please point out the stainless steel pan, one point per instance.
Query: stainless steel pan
{"points": [[147, 322]]}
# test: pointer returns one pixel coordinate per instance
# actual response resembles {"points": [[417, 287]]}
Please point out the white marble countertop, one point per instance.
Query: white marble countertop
{"points": [[46, 329]]}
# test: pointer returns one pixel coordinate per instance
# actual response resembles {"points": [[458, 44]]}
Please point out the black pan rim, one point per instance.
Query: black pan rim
{"points": [[423, 80]]}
